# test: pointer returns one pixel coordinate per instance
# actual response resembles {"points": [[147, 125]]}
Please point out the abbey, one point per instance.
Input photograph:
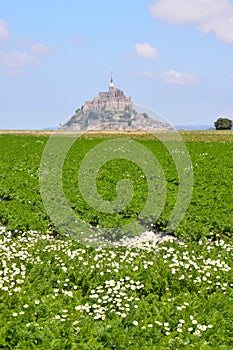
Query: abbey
{"points": [[111, 110], [114, 99]]}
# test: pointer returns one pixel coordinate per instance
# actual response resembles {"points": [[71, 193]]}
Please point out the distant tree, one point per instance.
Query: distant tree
{"points": [[145, 115], [126, 115], [223, 124]]}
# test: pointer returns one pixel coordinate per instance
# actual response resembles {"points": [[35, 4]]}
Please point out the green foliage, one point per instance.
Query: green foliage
{"points": [[127, 115], [145, 115], [57, 294], [223, 124], [21, 207]]}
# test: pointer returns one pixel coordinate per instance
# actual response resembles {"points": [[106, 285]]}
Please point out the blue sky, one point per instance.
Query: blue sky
{"points": [[172, 56]]}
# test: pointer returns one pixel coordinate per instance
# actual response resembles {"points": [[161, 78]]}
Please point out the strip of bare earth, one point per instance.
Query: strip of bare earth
{"points": [[166, 135]]}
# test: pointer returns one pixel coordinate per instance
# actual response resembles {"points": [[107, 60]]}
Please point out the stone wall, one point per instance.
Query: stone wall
{"points": [[112, 100]]}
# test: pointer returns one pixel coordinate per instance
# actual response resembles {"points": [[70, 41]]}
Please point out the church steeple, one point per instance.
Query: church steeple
{"points": [[111, 85]]}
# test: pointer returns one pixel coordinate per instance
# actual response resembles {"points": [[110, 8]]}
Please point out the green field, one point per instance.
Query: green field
{"points": [[209, 211], [56, 293]]}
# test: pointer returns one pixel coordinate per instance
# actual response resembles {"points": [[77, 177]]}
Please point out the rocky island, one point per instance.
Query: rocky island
{"points": [[112, 110]]}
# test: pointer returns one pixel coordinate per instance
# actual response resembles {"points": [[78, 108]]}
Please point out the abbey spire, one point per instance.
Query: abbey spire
{"points": [[111, 85]]}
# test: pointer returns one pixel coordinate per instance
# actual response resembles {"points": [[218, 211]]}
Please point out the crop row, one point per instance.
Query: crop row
{"points": [[209, 211]]}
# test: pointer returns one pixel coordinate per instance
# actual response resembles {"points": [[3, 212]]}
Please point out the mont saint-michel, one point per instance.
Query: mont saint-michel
{"points": [[112, 110]]}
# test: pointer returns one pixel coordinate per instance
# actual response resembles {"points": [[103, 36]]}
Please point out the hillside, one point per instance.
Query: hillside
{"points": [[112, 110]]}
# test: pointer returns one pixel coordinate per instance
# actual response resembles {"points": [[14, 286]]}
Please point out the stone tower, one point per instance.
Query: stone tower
{"points": [[111, 88]]}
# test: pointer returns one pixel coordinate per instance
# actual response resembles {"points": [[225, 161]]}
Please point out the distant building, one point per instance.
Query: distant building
{"points": [[111, 110], [114, 99]]}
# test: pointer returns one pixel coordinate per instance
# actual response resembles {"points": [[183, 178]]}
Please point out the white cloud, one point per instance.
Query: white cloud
{"points": [[173, 77], [17, 59], [147, 74], [41, 49], [25, 52], [223, 28], [15, 62], [4, 31], [145, 50], [209, 15], [185, 11]]}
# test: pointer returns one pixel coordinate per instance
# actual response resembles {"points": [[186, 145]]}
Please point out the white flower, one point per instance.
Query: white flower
{"points": [[135, 323], [94, 296], [197, 332], [79, 307], [68, 293], [202, 327]]}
